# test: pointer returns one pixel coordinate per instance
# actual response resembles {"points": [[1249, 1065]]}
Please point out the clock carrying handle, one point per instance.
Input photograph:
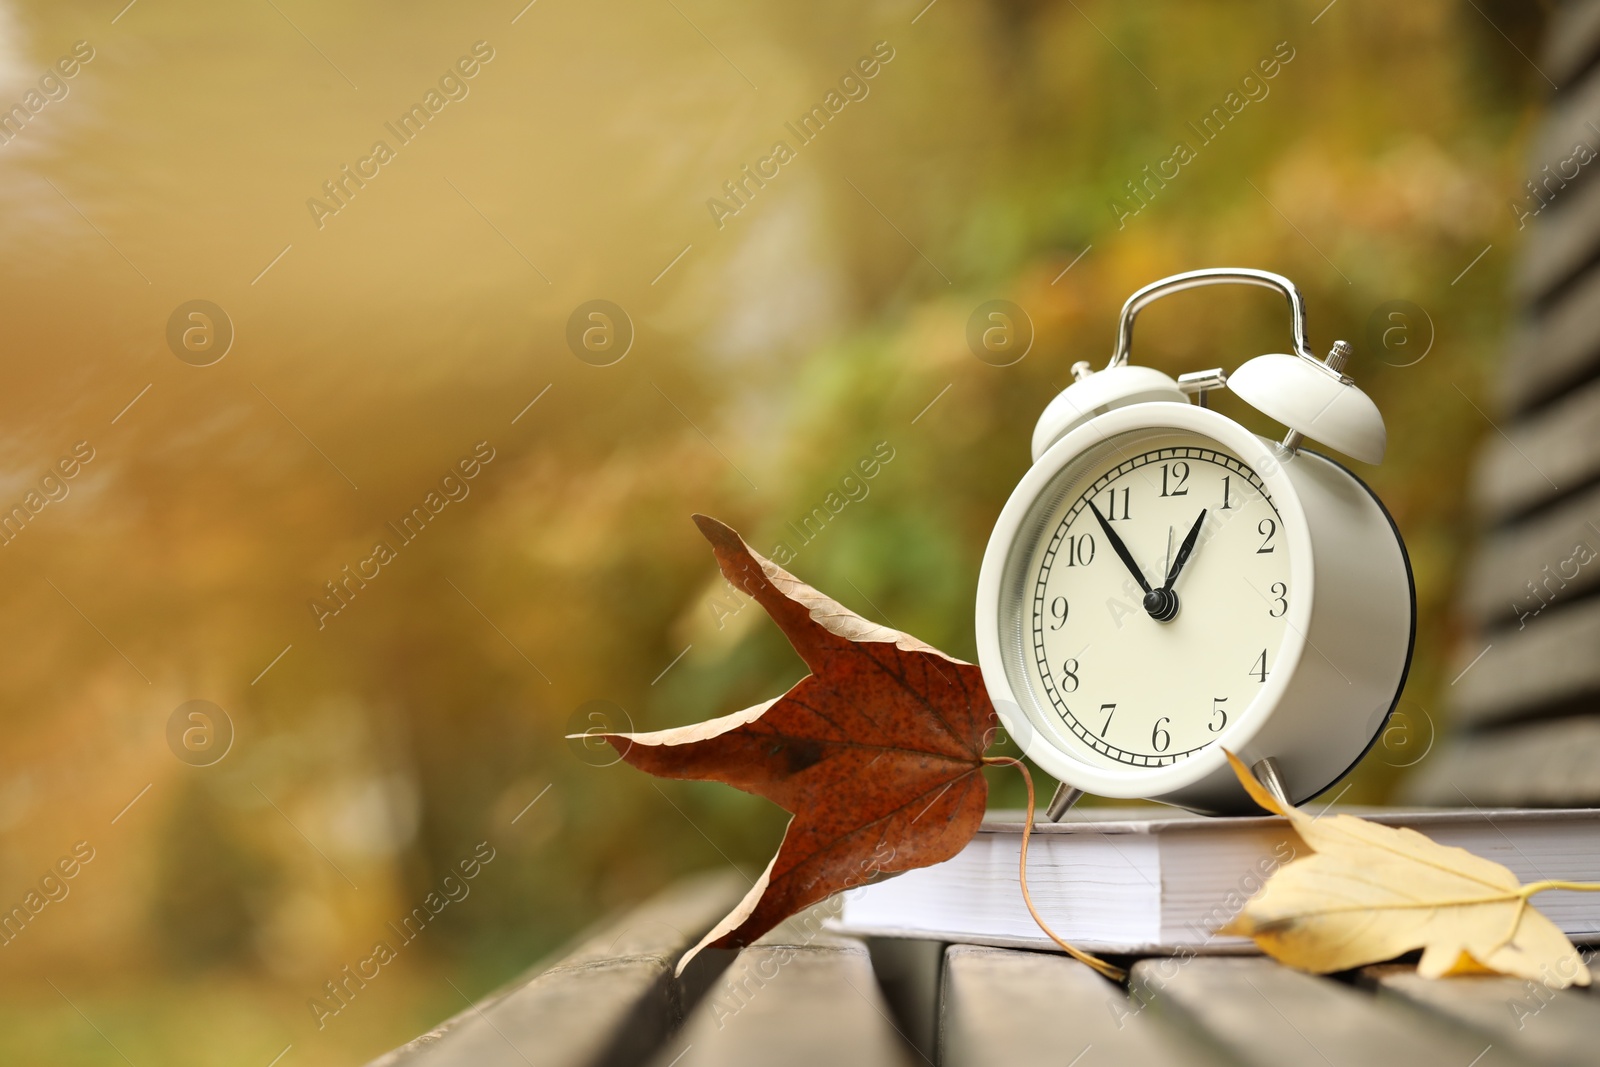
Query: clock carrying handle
{"points": [[1193, 279]]}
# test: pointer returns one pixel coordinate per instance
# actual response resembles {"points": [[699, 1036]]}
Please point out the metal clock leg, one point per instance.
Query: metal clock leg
{"points": [[1270, 775], [1065, 797]]}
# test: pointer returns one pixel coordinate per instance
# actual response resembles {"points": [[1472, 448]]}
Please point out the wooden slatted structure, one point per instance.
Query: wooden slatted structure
{"points": [[612, 1000], [1524, 710], [802, 996]]}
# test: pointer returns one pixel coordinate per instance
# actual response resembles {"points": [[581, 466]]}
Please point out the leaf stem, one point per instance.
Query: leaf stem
{"points": [[1116, 974], [1550, 883]]}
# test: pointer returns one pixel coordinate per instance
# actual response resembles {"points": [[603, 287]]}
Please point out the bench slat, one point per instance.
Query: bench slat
{"points": [[1548, 664], [1565, 126], [1555, 764], [1025, 1008], [798, 997], [1556, 346], [1548, 1025], [1571, 40], [1260, 1012], [1558, 445], [1543, 550], [609, 1001], [1561, 241]]}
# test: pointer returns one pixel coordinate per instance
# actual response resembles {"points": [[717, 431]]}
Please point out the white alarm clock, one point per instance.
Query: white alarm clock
{"points": [[1164, 584]]}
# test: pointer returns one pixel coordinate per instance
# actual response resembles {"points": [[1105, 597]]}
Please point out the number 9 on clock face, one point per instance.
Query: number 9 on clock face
{"points": [[1156, 598]]}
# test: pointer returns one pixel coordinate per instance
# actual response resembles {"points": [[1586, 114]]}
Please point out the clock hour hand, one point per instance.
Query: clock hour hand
{"points": [[1162, 604], [1184, 550], [1121, 550]]}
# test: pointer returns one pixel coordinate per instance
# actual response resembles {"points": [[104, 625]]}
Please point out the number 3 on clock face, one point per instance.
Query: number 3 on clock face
{"points": [[1158, 595]]}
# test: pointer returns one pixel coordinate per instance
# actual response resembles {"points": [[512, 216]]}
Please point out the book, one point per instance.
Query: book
{"points": [[1141, 881]]}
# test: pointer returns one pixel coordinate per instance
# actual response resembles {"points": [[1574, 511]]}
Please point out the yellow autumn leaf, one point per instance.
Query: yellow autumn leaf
{"points": [[1369, 893]]}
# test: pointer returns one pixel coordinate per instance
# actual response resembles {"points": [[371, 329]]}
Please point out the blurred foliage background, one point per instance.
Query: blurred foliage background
{"points": [[770, 352]]}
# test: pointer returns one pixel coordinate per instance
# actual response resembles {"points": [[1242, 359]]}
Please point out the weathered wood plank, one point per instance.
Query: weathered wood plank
{"points": [[1568, 124], [1549, 453], [1023, 1008], [1554, 764], [1527, 572], [798, 997], [1551, 663], [1561, 241], [609, 1001], [1545, 1025], [1553, 347], [1571, 40], [1259, 1012]]}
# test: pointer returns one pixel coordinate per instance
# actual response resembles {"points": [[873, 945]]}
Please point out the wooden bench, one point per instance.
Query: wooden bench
{"points": [[1524, 706], [805, 997]]}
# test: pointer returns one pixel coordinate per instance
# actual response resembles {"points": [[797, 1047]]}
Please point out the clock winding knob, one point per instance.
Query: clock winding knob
{"points": [[1339, 355]]}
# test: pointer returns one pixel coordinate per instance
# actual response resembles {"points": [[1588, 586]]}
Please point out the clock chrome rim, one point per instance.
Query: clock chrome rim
{"points": [[1021, 509]]}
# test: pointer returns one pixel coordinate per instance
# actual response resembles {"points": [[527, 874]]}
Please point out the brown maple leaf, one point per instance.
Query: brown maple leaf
{"points": [[878, 752]]}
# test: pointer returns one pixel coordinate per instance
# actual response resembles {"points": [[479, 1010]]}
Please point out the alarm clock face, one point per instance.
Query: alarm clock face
{"points": [[1148, 599]]}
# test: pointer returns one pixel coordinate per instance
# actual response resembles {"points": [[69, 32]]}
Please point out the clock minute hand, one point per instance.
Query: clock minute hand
{"points": [[1184, 550], [1120, 548]]}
